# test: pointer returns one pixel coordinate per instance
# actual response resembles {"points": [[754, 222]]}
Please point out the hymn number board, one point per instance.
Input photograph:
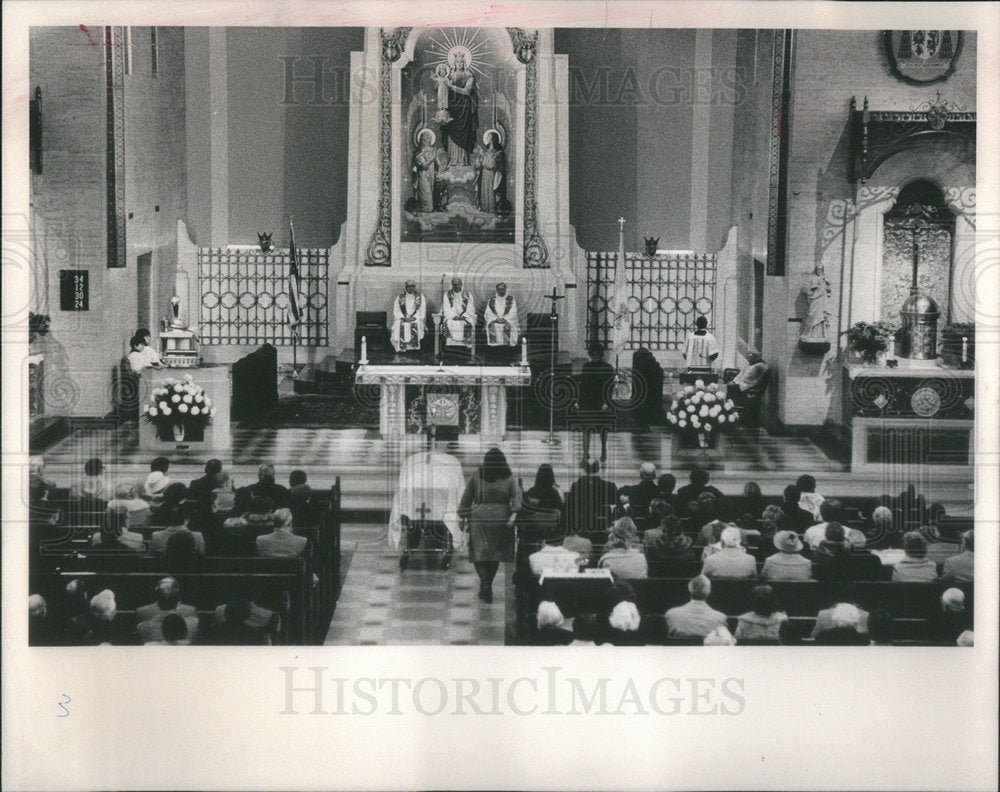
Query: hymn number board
{"points": [[74, 290]]}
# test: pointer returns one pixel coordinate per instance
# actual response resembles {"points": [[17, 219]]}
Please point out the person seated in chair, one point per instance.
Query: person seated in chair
{"points": [[787, 563], [696, 619], [623, 556], [281, 542], [641, 494], [959, 568], [175, 523], [732, 560], [200, 489], [265, 488], [915, 566], [590, 498], [748, 385]]}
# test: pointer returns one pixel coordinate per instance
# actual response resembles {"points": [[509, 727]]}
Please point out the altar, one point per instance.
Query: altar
{"points": [[920, 413], [217, 382], [491, 382]]}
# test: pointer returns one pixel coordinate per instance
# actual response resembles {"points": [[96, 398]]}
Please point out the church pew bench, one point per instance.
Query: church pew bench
{"points": [[282, 584]]}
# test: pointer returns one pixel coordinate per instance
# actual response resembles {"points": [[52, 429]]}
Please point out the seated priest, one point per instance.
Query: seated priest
{"points": [[502, 327], [701, 349], [409, 319], [458, 317], [750, 382], [426, 506]]}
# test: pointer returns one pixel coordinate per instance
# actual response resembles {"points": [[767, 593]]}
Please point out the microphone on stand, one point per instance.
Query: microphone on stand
{"points": [[554, 316]]}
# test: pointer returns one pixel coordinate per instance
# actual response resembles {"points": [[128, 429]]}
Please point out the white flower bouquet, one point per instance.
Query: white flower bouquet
{"points": [[701, 410], [178, 404]]}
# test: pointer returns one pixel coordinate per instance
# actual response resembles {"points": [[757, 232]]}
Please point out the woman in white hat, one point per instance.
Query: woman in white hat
{"points": [[788, 563]]}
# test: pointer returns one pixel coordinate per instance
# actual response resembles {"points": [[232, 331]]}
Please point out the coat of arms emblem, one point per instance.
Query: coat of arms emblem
{"points": [[923, 56]]}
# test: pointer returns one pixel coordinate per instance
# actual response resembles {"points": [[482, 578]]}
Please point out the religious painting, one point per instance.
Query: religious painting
{"points": [[459, 114], [923, 56]]}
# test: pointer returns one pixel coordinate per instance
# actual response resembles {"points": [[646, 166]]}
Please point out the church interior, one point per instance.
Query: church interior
{"points": [[501, 336]]}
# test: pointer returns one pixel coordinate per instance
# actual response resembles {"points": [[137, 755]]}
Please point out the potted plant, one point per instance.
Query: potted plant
{"points": [[868, 339], [700, 412], [38, 326], [179, 409], [952, 346]]}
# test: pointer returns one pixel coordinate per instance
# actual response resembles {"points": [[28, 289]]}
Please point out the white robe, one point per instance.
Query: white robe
{"points": [[499, 334], [433, 480], [408, 335], [455, 309], [699, 349]]}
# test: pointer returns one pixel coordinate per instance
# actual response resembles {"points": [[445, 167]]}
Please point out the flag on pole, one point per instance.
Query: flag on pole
{"points": [[621, 317], [294, 310]]}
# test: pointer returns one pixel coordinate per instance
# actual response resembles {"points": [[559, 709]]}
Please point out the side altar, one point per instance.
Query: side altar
{"points": [[491, 382], [920, 413]]}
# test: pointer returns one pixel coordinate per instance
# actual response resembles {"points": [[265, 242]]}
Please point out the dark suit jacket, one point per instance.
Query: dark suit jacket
{"points": [[595, 383], [640, 495], [200, 489], [589, 497]]}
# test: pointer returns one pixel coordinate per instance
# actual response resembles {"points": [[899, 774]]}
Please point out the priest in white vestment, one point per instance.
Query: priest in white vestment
{"points": [[409, 319], [500, 316], [701, 348], [458, 316], [430, 488]]}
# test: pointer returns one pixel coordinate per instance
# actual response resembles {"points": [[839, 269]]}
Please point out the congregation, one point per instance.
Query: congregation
{"points": [[644, 534]]}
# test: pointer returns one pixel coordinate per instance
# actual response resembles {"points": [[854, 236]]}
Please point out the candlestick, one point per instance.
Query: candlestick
{"points": [[364, 350], [965, 349], [892, 348], [524, 351]]}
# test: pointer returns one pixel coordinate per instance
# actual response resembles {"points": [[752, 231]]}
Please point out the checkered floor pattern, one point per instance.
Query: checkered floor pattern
{"points": [[381, 605]]}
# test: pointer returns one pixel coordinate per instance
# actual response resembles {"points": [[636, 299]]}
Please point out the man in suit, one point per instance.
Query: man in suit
{"points": [[281, 542], [690, 492], [590, 498], [732, 561], [595, 391], [695, 619], [158, 545], [200, 489], [640, 495], [265, 489], [959, 568], [168, 600]]}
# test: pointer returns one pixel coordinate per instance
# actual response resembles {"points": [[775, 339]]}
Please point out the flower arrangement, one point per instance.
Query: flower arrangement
{"points": [[870, 338], [702, 409], [178, 406]]}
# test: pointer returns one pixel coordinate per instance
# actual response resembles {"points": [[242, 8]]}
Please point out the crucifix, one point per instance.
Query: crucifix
{"points": [[424, 510]]}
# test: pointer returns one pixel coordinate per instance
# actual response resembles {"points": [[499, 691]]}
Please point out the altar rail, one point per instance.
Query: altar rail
{"points": [[244, 296], [666, 293]]}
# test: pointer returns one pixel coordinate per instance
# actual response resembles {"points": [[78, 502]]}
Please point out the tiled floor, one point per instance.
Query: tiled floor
{"points": [[381, 605]]}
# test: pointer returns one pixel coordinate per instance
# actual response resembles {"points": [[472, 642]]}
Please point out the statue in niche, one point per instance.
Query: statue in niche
{"points": [[491, 174], [817, 292], [425, 170], [463, 109]]}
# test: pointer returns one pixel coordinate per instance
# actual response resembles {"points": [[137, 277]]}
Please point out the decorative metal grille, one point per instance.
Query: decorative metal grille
{"points": [[666, 294], [244, 296]]}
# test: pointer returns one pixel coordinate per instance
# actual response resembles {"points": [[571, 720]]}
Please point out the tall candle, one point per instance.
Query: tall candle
{"points": [[364, 349], [965, 349], [524, 351], [892, 348]]}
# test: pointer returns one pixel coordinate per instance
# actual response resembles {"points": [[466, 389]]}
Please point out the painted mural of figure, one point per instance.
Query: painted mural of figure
{"points": [[463, 107], [491, 175], [817, 292], [440, 79], [425, 168]]}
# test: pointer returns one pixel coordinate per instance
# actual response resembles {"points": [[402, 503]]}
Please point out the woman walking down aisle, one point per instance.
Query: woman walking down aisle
{"points": [[489, 505]]}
